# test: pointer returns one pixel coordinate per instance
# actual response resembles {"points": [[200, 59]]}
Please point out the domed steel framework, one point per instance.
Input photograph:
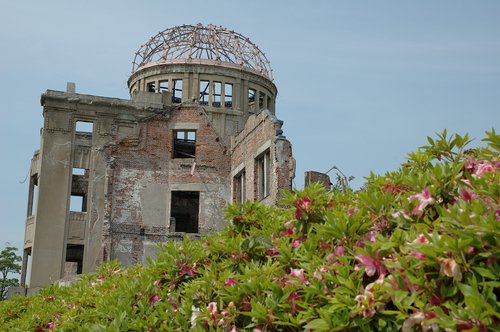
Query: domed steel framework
{"points": [[202, 44]]}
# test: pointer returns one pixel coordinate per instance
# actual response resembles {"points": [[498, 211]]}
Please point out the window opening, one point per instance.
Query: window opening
{"points": [[33, 195], [261, 100], [263, 175], [184, 209], [84, 127], [239, 189], [204, 93], [217, 92], [74, 259], [79, 190], [184, 144], [177, 91], [26, 267], [151, 87], [251, 98], [228, 95], [78, 171], [77, 203], [163, 86]]}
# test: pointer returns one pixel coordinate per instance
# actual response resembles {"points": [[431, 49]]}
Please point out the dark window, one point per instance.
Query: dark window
{"points": [[184, 211], [204, 85], [74, 254], [228, 95], [151, 87], [239, 187], [184, 143], [33, 195], [177, 91], [262, 164]]}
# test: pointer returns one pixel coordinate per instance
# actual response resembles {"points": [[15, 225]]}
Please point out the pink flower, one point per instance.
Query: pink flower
{"points": [[212, 308], [414, 319], [371, 265], [230, 282], [421, 239], [292, 298], [351, 211], [288, 232], [301, 206], [295, 243], [466, 195], [299, 273], [371, 236], [185, 269], [153, 298], [401, 213], [424, 199], [418, 255], [272, 252], [365, 302], [484, 167]]}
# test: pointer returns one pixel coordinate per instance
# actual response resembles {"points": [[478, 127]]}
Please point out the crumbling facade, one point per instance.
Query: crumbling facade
{"points": [[115, 177]]}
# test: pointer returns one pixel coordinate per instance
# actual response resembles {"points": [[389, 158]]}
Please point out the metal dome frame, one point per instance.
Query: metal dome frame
{"points": [[202, 44]]}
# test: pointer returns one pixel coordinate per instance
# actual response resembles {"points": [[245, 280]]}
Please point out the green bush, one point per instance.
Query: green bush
{"points": [[415, 249]]}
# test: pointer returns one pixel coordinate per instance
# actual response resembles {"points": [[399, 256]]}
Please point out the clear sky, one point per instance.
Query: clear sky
{"points": [[360, 83]]}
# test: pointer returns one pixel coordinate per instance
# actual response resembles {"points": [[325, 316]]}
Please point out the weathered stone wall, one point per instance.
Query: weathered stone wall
{"points": [[263, 133], [144, 174]]}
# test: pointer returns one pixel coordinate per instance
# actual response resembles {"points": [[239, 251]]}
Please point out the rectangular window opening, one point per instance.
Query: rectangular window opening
{"points": [[263, 175], [163, 86], [251, 99], [239, 188], [84, 127], [74, 259], [177, 91], [33, 195], [184, 144], [184, 209], [228, 95], [26, 268], [79, 189], [217, 92], [78, 171], [204, 85], [78, 203], [151, 87]]}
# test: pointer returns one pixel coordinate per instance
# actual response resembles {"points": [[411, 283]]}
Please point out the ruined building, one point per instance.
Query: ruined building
{"points": [[113, 177]]}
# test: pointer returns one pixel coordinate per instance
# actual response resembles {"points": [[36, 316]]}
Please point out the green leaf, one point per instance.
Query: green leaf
{"points": [[318, 324]]}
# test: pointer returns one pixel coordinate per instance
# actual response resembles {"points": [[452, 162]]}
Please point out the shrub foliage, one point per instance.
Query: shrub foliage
{"points": [[415, 249]]}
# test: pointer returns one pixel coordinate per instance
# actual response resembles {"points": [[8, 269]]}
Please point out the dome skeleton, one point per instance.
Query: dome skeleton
{"points": [[198, 43]]}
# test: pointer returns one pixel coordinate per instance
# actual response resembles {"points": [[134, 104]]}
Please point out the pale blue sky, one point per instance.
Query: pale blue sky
{"points": [[361, 83]]}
